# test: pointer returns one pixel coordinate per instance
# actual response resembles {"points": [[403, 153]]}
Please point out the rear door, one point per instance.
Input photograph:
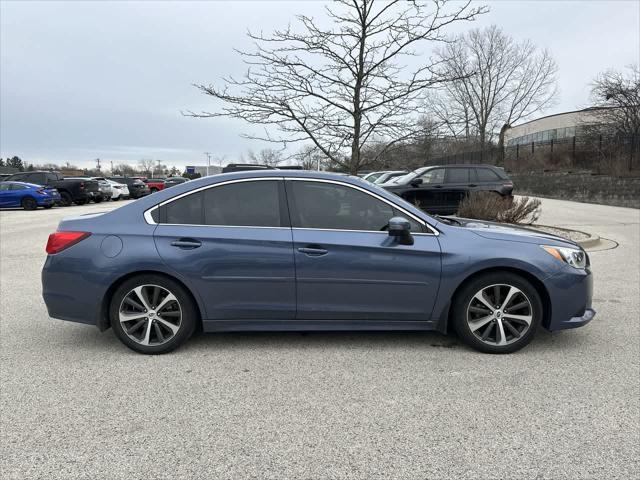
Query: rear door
{"points": [[348, 267], [232, 241], [457, 184]]}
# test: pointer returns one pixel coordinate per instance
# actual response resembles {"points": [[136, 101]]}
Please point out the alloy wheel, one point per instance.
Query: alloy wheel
{"points": [[150, 315], [499, 314]]}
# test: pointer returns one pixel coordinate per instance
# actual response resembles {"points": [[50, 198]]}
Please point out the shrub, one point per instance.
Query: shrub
{"points": [[495, 208]]}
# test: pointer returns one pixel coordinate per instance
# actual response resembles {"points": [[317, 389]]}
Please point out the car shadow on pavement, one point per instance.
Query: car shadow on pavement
{"points": [[322, 340], [90, 338]]}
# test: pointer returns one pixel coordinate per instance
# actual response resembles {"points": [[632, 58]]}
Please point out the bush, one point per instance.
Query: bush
{"points": [[495, 208]]}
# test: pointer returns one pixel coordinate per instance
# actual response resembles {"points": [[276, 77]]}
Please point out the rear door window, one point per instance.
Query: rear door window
{"points": [[243, 204], [457, 175]]}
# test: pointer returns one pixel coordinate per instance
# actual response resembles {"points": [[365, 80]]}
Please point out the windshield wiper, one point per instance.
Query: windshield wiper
{"points": [[448, 221]]}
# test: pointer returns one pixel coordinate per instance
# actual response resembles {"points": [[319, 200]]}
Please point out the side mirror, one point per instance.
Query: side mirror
{"points": [[400, 228], [416, 182]]}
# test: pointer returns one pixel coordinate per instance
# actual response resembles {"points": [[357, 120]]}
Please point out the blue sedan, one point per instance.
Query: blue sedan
{"points": [[293, 250], [27, 195]]}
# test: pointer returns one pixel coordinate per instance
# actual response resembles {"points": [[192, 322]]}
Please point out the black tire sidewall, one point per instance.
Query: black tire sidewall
{"points": [[66, 199], [463, 297], [190, 316], [29, 203]]}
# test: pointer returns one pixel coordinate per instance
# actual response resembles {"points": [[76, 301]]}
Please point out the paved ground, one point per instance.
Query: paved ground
{"points": [[77, 404]]}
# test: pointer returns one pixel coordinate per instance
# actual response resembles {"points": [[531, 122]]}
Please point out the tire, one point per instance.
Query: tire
{"points": [[66, 199], [81, 202], [115, 199], [497, 329], [29, 203], [47, 206], [98, 199], [153, 190], [140, 332]]}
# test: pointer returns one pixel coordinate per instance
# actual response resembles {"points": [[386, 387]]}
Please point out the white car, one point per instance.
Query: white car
{"points": [[120, 190]]}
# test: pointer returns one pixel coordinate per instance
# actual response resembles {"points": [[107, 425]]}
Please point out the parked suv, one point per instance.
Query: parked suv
{"points": [[105, 191], [440, 189], [72, 190], [137, 188], [173, 181]]}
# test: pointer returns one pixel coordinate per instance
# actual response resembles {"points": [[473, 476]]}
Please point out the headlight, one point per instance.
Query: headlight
{"points": [[576, 257]]}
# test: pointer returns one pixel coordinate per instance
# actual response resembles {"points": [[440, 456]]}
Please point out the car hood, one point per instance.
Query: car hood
{"points": [[514, 233]]}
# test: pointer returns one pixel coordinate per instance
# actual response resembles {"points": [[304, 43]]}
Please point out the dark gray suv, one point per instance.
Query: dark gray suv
{"points": [[440, 189]]}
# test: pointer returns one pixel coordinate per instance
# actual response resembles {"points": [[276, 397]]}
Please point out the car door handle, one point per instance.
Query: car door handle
{"points": [[186, 243], [313, 252]]}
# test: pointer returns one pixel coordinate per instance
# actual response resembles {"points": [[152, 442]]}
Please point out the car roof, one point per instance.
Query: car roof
{"points": [[26, 184]]}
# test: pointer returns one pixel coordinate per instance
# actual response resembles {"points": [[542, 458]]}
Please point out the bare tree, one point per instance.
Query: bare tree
{"points": [[147, 166], [345, 85], [266, 156], [309, 157], [501, 81], [619, 96]]}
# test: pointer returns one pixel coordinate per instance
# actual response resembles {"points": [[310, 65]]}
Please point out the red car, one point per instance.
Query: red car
{"points": [[154, 184]]}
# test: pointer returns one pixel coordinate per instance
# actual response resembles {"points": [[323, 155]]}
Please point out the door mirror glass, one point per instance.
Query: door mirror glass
{"points": [[416, 181], [400, 228]]}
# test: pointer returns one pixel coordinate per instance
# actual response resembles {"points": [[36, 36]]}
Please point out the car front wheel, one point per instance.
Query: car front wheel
{"points": [[152, 314], [497, 312]]}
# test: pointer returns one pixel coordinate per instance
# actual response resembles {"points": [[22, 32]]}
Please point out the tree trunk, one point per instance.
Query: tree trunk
{"points": [[503, 131]]}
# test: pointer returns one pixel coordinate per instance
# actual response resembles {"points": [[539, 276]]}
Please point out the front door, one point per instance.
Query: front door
{"points": [[233, 243], [347, 266]]}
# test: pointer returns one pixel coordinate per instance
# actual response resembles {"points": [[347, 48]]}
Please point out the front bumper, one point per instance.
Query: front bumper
{"points": [[576, 322], [570, 294]]}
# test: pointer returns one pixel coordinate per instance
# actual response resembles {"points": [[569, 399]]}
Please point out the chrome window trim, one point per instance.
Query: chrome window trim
{"points": [[150, 221], [434, 232]]}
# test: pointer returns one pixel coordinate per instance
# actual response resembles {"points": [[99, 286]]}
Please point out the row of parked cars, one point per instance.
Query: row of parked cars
{"points": [[31, 190], [439, 189]]}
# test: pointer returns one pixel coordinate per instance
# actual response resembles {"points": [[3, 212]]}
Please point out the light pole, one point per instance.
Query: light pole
{"points": [[208, 154]]}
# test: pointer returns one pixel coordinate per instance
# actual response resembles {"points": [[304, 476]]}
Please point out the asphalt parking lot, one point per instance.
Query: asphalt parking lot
{"points": [[77, 404]]}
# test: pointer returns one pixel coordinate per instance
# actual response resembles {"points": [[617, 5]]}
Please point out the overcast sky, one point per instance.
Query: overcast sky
{"points": [[81, 80]]}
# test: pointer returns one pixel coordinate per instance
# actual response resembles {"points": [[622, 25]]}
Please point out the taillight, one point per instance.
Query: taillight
{"points": [[508, 184], [81, 185], [59, 241]]}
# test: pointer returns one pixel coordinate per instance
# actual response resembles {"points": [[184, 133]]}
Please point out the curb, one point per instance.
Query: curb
{"points": [[592, 241]]}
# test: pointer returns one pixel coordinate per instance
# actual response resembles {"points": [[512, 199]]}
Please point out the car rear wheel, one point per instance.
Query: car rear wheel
{"points": [[81, 202], [153, 190], [152, 314], [66, 199], [497, 313], [29, 203], [98, 199]]}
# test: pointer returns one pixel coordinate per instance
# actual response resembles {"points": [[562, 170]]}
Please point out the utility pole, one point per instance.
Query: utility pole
{"points": [[98, 164], [111, 161], [208, 154]]}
